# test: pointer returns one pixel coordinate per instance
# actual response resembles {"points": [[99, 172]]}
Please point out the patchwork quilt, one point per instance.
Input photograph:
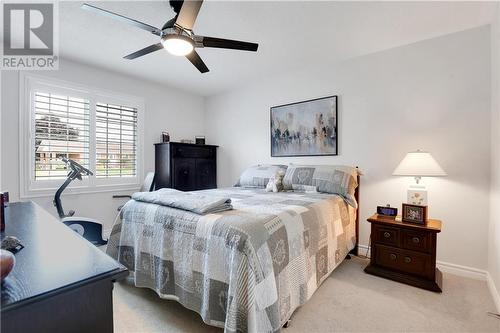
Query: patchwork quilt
{"points": [[245, 269]]}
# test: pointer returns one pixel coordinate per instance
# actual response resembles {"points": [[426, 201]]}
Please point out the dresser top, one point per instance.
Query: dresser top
{"points": [[431, 225], [183, 144], [54, 257]]}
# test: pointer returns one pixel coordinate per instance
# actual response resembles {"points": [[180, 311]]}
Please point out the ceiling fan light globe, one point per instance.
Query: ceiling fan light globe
{"points": [[178, 45]]}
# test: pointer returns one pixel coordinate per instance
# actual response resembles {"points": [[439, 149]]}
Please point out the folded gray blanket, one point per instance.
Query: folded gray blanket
{"points": [[193, 202]]}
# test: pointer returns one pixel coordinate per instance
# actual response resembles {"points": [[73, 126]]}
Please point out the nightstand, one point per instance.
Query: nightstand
{"points": [[405, 252]]}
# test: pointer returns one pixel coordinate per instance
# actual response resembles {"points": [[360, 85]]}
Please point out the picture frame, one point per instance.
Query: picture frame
{"points": [[199, 140], [414, 214], [306, 128]]}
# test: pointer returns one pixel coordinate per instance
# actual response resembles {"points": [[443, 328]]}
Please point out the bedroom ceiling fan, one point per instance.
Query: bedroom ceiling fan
{"points": [[177, 35]]}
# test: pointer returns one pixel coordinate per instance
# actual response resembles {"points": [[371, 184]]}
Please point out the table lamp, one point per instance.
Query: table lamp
{"points": [[418, 164]]}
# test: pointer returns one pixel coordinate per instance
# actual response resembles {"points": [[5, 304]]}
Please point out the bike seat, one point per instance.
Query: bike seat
{"points": [[79, 219]]}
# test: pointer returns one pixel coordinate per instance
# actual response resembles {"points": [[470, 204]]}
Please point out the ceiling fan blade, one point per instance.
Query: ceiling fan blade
{"points": [[195, 59], [189, 12], [144, 51], [227, 43], [169, 24], [122, 18]]}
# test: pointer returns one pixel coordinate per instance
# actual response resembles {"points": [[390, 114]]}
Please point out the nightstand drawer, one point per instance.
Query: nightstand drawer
{"points": [[404, 261], [385, 235], [416, 240]]}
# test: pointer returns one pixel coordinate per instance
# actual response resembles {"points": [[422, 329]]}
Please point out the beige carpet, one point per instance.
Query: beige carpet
{"points": [[348, 301]]}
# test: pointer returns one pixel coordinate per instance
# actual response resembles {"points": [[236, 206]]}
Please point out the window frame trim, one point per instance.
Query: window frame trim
{"points": [[31, 188]]}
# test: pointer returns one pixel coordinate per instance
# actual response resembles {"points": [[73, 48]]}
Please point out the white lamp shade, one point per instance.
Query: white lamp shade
{"points": [[419, 164]]}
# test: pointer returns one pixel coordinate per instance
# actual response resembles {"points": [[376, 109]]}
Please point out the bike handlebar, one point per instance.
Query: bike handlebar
{"points": [[77, 167]]}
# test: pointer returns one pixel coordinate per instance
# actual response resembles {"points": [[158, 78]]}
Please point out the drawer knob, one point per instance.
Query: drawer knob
{"points": [[416, 240], [393, 256], [387, 234], [407, 260]]}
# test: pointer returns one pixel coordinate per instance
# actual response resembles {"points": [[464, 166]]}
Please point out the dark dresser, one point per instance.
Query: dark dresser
{"points": [[405, 252], [61, 282], [185, 167]]}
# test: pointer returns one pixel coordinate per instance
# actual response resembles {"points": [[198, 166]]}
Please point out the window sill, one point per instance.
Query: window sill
{"points": [[76, 190]]}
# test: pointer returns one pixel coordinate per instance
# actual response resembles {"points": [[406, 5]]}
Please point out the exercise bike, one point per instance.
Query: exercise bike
{"points": [[88, 228]]}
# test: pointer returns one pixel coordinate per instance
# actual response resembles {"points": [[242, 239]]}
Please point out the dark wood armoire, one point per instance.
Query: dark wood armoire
{"points": [[185, 167]]}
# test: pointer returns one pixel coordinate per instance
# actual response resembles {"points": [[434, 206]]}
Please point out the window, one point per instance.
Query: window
{"points": [[99, 130], [116, 128], [62, 129]]}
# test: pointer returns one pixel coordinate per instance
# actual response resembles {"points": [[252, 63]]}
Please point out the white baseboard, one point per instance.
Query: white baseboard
{"points": [[493, 291], [362, 250], [465, 271]]}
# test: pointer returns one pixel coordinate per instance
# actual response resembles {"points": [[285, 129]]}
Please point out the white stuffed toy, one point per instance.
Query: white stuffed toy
{"points": [[275, 183]]}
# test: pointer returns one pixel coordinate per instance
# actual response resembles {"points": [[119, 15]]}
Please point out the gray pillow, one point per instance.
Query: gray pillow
{"points": [[259, 175], [334, 179]]}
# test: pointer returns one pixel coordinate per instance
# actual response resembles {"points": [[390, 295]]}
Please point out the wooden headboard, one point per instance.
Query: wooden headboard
{"points": [[354, 251]]}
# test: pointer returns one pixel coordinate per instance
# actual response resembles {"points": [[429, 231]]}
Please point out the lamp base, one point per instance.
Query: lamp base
{"points": [[417, 195]]}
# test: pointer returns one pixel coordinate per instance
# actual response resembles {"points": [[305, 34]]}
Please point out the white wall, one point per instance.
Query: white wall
{"points": [[433, 95], [166, 108], [494, 230]]}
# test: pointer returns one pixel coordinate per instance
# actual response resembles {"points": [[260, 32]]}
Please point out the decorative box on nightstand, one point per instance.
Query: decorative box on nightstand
{"points": [[405, 252]]}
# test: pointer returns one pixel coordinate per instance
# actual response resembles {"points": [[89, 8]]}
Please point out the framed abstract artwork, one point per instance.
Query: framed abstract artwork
{"points": [[307, 128]]}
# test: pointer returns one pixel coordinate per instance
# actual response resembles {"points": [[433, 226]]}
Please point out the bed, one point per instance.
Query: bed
{"points": [[246, 269]]}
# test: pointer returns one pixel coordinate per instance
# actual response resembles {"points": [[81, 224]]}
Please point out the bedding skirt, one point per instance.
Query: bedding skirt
{"points": [[246, 269]]}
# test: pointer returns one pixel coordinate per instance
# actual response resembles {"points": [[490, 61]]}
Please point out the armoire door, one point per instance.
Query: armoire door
{"points": [[163, 174], [206, 174], [184, 178]]}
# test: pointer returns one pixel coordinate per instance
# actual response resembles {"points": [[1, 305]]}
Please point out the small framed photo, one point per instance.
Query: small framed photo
{"points": [[165, 137], [200, 140], [414, 214]]}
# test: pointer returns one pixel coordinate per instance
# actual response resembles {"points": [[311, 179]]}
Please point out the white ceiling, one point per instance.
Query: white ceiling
{"points": [[291, 35]]}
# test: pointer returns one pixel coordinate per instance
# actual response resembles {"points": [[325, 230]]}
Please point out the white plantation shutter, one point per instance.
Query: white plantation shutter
{"points": [[102, 131], [62, 129], [116, 141]]}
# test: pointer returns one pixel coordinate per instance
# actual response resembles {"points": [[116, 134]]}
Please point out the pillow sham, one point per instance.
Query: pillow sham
{"points": [[334, 179], [304, 188], [259, 175]]}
